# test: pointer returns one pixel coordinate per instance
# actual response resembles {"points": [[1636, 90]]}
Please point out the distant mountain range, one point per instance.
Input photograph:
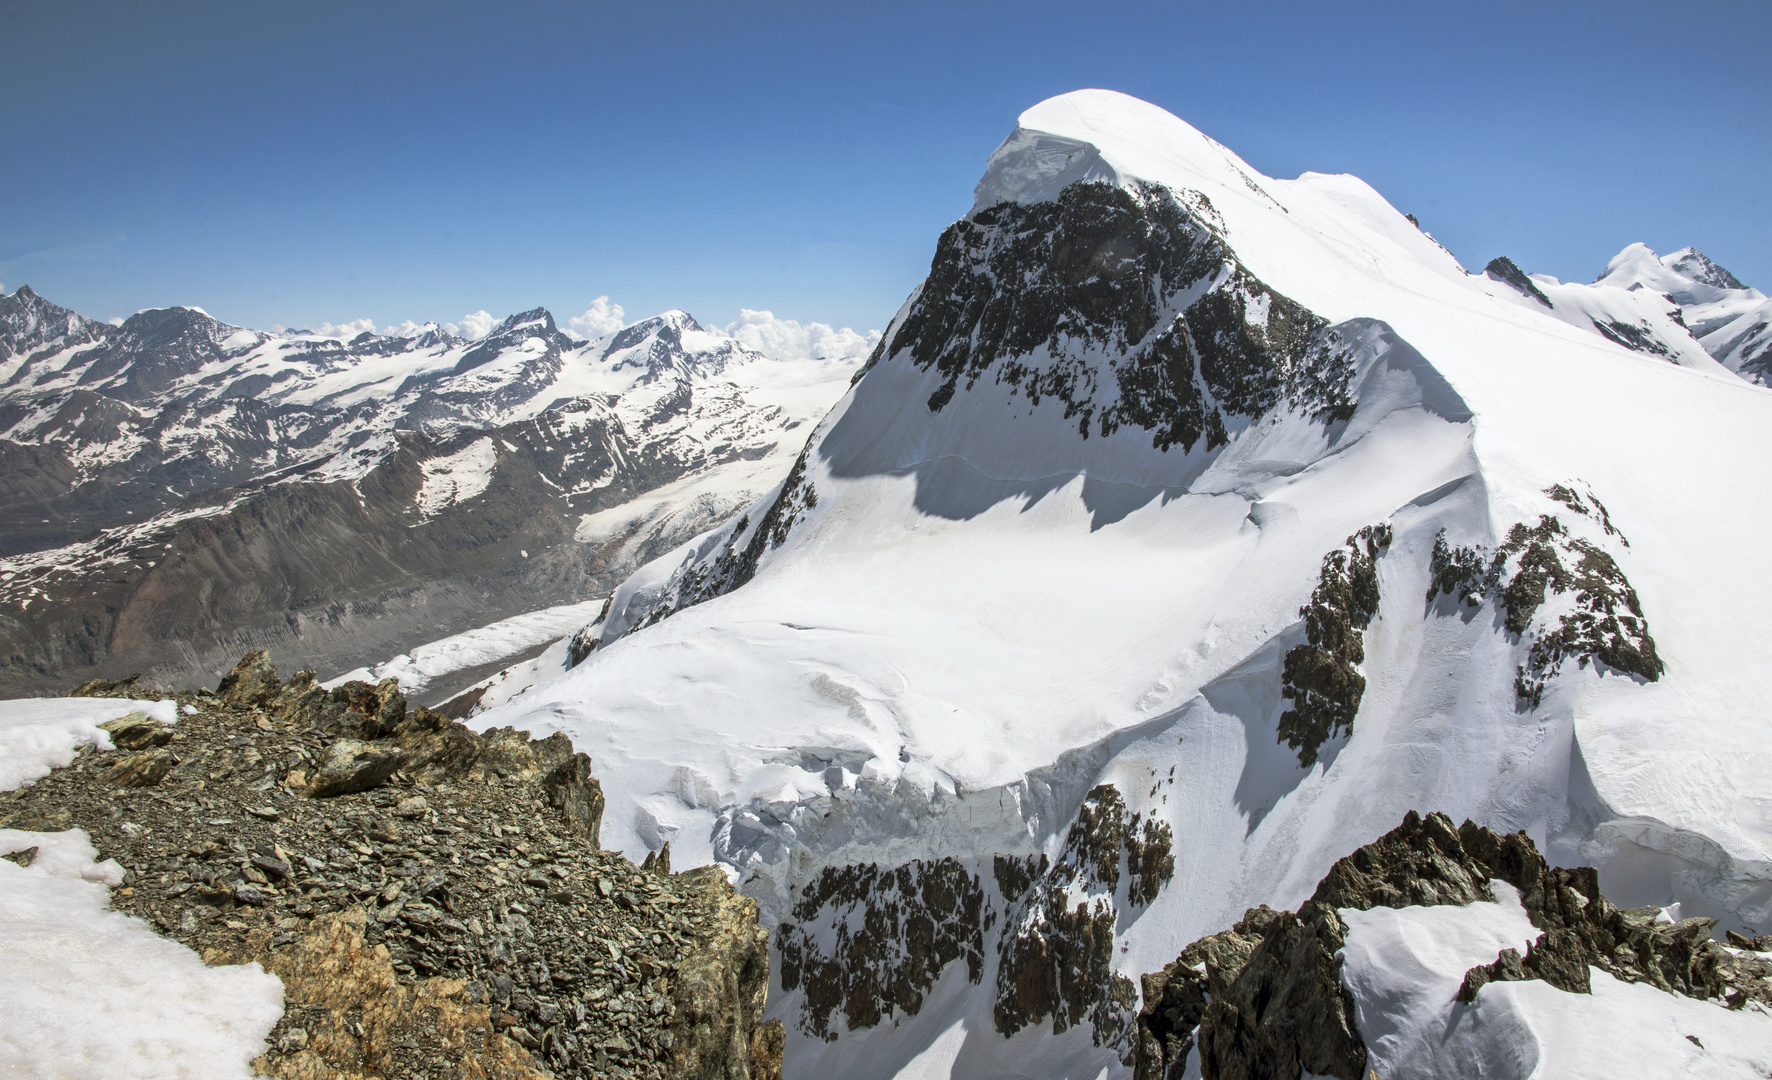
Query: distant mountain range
{"points": [[1681, 307], [175, 489]]}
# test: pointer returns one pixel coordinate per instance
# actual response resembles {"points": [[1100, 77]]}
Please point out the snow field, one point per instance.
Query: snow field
{"points": [[472, 648], [40, 734], [87, 993], [1404, 967]]}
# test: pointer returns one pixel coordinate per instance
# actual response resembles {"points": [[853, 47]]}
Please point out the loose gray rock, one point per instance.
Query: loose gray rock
{"points": [[142, 770], [351, 766], [137, 731]]}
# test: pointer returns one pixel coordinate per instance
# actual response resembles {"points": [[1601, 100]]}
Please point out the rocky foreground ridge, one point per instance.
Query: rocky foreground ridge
{"points": [[434, 900]]}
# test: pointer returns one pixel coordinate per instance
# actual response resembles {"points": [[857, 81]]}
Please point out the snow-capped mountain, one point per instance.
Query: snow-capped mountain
{"points": [[1681, 307], [176, 487], [1187, 529]]}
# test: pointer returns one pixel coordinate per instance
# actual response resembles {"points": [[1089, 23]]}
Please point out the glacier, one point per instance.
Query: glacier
{"points": [[1060, 537]]}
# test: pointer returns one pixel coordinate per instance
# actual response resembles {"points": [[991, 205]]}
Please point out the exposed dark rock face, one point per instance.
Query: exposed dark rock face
{"points": [[1633, 337], [1601, 620], [1583, 929], [1322, 676], [895, 928], [457, 919], [1052, 298], [1056, 960], [866, 942], [1508, 272], [1422, 861], [32, 327], [1037, 292], [1264, 998], [736, 565]]}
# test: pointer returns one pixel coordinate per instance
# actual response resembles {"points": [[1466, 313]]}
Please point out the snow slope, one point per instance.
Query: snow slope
{"points": [[1404, 966], [965, 608], [87, 993]]}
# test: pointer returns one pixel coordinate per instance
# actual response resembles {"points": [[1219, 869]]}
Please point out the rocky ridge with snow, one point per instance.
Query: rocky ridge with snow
{"points": [[1187, 529], [177, 489], [431, 902]]}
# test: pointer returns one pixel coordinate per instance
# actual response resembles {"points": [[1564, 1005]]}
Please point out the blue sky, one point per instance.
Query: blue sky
{"points": [[285, 163]]}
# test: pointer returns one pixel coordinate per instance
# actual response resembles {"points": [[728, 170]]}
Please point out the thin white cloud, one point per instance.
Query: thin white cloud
{"points": [[602, 317], [786, 339], [473, 326], [115, 320]]}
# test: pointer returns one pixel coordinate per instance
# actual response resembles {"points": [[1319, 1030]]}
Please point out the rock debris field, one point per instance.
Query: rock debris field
{"points": [[433, 900]]}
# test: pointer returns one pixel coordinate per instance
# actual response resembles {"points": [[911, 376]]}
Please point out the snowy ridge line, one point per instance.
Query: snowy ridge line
{"points": [[177, 394], [1077, 491]]}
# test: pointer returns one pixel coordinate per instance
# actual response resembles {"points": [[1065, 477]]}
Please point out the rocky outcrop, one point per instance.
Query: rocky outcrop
{"points": [[1026, 291], [869, 941], [866, 943], [1055, 956], [1265, 998], [1505, 270], [1592, 613], [1322, 676], [451, 916]]}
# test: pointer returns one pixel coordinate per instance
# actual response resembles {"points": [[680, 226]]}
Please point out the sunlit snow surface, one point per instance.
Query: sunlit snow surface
{"points": [[473, 648], [985, 615], [87, 993], [40, 734], [1404, 967]]}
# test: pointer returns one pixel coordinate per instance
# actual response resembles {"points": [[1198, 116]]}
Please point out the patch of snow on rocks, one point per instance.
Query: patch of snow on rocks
{"points": [[87, 993], [1404, 967], [457, 477], [40, 734]]}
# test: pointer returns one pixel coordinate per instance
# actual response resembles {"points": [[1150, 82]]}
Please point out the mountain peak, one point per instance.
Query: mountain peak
{"points": [[538, 317], [1692, 263], [1505, 270]]}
